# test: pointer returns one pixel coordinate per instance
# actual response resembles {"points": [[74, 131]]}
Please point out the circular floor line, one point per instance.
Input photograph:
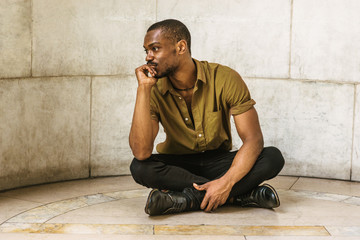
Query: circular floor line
{"points": [[42, 214]]}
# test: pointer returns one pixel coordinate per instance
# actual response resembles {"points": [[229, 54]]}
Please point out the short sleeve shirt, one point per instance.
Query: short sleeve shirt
{"points": [[219, 92]]}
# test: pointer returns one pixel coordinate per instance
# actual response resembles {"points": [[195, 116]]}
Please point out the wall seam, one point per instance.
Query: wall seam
{"points": [[245, 77], [290, 37], [69, 76], [90, 124], [353, 133], [31, 38], [302, 80]]}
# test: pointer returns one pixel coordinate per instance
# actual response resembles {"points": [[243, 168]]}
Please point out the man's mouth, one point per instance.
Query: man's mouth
{"points": [[151, 64]]}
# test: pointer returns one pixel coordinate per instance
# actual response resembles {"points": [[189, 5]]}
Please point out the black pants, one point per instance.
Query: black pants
{"points": [[176, 172]]}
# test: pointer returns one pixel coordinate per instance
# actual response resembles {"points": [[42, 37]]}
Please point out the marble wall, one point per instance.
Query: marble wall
{"points": [[67, 84]]}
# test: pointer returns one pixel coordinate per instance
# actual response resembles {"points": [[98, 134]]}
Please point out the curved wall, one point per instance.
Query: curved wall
{"points": [[67, 84]]}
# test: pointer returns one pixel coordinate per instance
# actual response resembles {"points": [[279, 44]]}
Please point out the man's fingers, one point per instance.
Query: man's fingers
{"points": [[223, 202], [199, 187], [215, 206], [212, 200], [145, 69], [210, 206], [202, 187], [204, 202], [151, 71]]}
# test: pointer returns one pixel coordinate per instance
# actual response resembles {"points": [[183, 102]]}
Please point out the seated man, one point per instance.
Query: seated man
{"points": [[193, 100]]}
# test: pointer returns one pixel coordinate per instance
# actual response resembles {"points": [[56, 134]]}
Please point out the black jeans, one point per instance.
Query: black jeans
{"points": [[176, 172]]}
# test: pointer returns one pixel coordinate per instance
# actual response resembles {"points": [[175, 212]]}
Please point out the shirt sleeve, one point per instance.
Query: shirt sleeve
{"points": [[237, 94]]}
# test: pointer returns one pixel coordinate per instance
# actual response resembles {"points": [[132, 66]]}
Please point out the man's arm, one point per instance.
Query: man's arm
{"points": [[143, 129], [248, 128]]}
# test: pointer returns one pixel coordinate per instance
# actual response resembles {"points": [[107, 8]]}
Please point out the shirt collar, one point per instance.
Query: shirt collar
{"points": [[165, 85]]}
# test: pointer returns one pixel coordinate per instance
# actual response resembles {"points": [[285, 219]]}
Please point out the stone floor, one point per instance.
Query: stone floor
{"points": [[113, 208]]}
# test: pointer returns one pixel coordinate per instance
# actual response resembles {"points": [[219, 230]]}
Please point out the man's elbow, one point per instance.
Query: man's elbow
{"points": [[142, 157], [141, 154], [256, 141], [261, 143], [140, 150]]}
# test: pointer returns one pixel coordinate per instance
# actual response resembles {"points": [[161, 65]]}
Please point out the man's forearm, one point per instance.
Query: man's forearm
{"points": [[244, 160], [141, 133], [218, 190]]}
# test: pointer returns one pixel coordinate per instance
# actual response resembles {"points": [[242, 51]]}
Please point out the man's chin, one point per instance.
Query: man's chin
{"points": [[163, 74], [160, 75]]}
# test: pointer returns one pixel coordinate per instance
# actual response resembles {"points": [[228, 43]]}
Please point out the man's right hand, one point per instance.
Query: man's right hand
{"points": [[146, 75]]}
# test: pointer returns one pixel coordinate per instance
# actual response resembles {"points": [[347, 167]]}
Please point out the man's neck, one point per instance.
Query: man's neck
{"points": [[185, 75]]}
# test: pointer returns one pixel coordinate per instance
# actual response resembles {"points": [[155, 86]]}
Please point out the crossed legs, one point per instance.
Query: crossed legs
{"points": [[177, 172]]}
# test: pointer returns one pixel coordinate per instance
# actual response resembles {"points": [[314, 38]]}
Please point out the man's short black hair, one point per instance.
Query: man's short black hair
{"points": [[174, 30]]}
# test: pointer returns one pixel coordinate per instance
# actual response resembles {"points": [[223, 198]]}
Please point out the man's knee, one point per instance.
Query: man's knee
{"points": [[139, 170], [144, 172], [275, 160], [135, 167]]}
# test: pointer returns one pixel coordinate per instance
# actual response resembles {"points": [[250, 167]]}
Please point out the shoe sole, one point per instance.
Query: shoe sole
{"points": [[275, 193]]}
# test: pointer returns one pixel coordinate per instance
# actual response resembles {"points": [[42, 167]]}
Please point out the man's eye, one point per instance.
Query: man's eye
{"points": [[155, 49], [146, 51]]}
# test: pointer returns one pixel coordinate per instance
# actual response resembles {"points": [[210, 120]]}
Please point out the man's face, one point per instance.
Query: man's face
{"points": [[161, 53]]}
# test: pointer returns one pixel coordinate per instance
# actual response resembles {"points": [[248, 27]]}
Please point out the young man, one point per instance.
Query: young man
{"points": [[193, 101]]}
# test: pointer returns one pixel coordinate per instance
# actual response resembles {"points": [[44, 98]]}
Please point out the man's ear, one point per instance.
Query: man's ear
{"points": [[181, 46]]}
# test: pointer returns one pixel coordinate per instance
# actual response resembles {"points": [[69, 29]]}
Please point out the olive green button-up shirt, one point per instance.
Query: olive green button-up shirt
{"points": [[219, 91]]}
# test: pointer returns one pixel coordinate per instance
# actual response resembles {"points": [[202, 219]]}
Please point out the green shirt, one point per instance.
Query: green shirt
{"points": [[217, 90]]}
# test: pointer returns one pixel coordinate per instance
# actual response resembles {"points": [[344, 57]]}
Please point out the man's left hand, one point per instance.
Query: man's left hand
{"points": [[217, 192]]}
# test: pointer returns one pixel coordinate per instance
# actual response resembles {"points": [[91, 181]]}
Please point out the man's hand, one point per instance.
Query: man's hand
{"points": [[146, 75], [217, 192]]}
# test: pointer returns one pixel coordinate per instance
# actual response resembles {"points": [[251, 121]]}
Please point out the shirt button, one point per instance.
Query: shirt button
{"points": [[180, 98], [200, 135], [186, 119]]}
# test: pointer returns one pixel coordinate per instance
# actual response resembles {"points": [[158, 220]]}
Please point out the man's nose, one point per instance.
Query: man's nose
{"points": [[149, 56]]}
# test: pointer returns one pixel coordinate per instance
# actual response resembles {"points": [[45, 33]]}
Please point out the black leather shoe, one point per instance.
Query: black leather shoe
{"points": [[263, 196], [159, 202]]}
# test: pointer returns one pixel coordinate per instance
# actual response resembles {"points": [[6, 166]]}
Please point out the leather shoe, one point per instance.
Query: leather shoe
{"points": [[263, 196], [166, 202]]}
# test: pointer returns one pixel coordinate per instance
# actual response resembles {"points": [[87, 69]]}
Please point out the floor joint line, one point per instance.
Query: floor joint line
{"points": [[294, 183]]}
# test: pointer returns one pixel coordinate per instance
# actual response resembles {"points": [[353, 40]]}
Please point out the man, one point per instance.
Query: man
{"points": [[193, 101]]}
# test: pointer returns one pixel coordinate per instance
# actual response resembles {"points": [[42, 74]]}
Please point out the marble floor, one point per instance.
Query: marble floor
{"points": [[113, 208]]}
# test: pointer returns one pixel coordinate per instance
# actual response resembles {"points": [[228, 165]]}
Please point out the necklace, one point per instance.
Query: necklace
{"points": [[184, 89]]}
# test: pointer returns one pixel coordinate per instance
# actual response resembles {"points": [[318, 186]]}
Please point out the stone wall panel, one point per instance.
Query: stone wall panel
{"points": [[45, 134], [310, 122], [253, 37], [15, 38], [325, 40], [113, 101], [356, 145], [89, 37]]}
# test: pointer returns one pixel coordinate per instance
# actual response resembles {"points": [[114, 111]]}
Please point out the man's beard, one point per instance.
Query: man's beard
{"points": [[168, 71]]}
